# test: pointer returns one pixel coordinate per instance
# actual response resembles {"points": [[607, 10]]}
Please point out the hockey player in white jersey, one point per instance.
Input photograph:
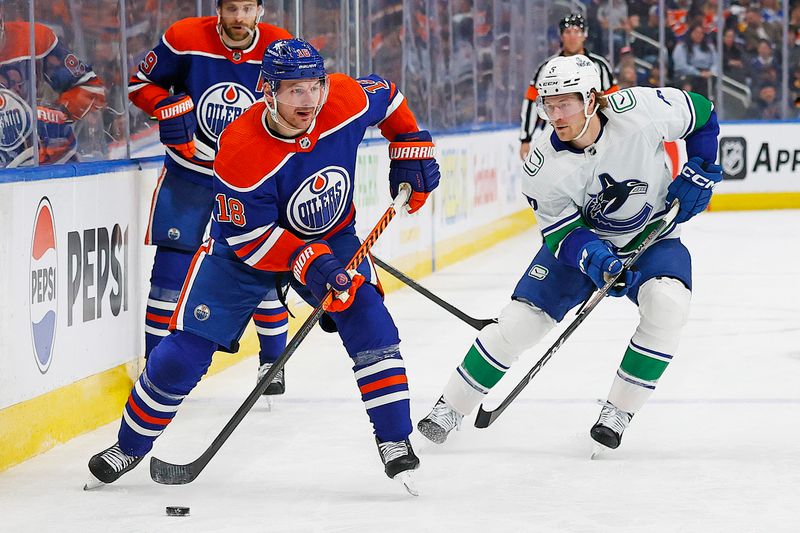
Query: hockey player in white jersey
{"points": [[598, 183]]}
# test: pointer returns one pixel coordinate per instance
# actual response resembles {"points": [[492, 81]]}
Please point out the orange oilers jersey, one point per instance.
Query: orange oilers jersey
{"points": [[273, 194], [222, 82]]}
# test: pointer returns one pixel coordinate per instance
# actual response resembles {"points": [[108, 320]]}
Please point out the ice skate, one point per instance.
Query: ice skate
{"points": [[108, 465], [276, 387], [399, 462], [440, 422], [607, 431]]}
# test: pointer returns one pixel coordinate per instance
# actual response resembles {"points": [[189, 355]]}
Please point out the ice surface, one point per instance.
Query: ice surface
{"points": [[716, 449]]}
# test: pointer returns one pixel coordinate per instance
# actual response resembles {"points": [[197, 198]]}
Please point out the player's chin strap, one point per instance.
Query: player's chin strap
{"points": [[588, 118]]}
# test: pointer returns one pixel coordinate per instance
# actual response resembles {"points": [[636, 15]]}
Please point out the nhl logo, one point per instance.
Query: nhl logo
{"points": [[733, 157], [202, 312], [304, 142], [174, 234], [237, 55]]}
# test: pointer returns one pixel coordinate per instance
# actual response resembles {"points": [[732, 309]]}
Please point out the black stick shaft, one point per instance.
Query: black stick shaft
{"points": [[477, 323], [172, 474]]}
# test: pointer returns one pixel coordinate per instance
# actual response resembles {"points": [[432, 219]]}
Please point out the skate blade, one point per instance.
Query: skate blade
{"points": [[270, 403], [599, 450], [92, 483], [407, 480]]}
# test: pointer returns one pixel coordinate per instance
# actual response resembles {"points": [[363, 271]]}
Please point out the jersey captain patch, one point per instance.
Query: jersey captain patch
{"points": [[319, 201], [220, 105]]}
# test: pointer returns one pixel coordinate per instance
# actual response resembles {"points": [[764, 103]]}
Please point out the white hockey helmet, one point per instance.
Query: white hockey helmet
{"points": [[569, 74]]}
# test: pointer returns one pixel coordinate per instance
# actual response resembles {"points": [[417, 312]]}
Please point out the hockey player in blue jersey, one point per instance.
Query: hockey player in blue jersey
{"points": [[598, 183], [211, 65], [284, 183]]}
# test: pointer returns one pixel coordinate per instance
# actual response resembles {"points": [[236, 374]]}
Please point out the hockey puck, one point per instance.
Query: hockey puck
{"points": [[177, 511]]}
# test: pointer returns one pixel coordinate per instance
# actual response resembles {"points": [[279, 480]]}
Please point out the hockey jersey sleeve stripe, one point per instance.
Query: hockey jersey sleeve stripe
{"points": [[276, 252], [701, 109], [400, 120], [555, 234], [244, 251], [394, 104], [249, 236], [692, 113]]}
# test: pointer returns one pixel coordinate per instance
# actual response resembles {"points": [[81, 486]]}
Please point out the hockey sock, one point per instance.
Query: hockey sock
{"points": [[496, 348], [160, 306], [381, 378], [663, 310], [272, 326], [169, 270], [171, 372]]}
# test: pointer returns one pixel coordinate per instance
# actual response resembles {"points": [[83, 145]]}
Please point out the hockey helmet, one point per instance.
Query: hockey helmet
{"points": [[573, 20], [565, 75], [291, 60]]}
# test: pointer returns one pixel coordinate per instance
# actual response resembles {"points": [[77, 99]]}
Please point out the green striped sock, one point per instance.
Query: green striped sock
{"points": [[481, 369], [642, 366]]}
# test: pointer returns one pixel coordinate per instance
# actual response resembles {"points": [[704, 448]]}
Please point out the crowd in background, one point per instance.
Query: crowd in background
{"points": [[751, 55], [463, 64]]}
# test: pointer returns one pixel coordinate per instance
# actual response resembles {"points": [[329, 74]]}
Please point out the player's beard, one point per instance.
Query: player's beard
{"points": [[236, 38]]}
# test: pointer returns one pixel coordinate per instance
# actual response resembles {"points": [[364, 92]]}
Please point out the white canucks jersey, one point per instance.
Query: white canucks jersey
{"points": [[617, 186]]}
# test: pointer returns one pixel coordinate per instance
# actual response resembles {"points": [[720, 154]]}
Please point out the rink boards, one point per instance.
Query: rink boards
{"points": [[75, 270]]}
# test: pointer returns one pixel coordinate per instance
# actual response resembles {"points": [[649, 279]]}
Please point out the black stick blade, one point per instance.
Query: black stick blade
{"points": [[170, 474], [484, 419]]}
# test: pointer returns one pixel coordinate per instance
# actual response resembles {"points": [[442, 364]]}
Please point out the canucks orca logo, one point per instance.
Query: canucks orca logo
{"points": [[320, 201], [15, 120], [43, 302], [612, 199], [220, 105]]}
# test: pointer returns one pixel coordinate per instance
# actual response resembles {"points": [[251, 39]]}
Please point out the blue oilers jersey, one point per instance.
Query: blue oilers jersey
{"points": [[222, 82], [273, 194]]}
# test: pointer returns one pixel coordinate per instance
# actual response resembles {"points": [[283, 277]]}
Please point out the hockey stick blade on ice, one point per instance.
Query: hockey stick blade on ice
{"points": [[485, 418], [172, 474], [477, 323]]}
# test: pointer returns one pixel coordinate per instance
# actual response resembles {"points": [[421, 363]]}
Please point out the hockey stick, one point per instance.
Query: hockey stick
{"points": [[477, 323], [172, 474], [485, 418]]}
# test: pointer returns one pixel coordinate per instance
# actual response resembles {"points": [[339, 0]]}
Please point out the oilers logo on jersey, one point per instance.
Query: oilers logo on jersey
{"points": [[611, 198], [319, 201], [16, 124], [220, 105]]}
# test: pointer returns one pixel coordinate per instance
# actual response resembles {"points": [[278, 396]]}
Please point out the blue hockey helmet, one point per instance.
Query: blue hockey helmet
{"points": [[291, 59]]}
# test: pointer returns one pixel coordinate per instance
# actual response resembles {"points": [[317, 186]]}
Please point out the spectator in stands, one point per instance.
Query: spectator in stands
{"points": [[754, 30], [766, 105], [764, 65], [613, 15], [695, 59], [733, 56], [640, 47]]}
